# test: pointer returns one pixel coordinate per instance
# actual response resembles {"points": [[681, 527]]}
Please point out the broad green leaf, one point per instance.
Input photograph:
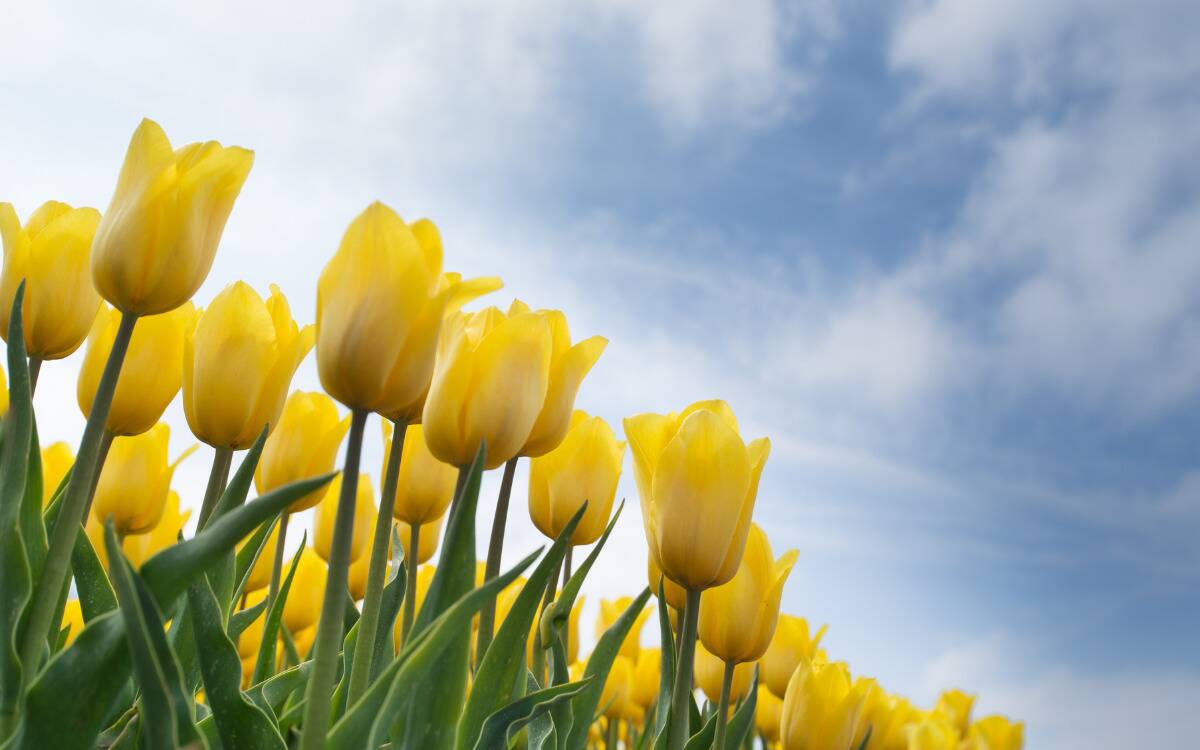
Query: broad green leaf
{"points": [[240, 723], [264, 665], [742, 723], [91, 582], [279, 688], [389, 607], [517, 714], [540, 734]]}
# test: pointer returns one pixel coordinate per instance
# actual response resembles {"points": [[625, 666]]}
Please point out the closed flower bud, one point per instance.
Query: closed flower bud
{"points": [[142, 547], [56, 462], [610, 610], [646, 675], [698, 481], [303, 605], [238, 365], [768, 710], [136, 481], [364, 518], [72, 619], [156, 243], [428, 543], [823, 709], [489, 385], [302, 445], [710, 672], [932, 735], [789, 645], [381, 300], [584, 467], [150, 374], [50, 253], [995, 733], [737, 619], [954, 707], [425, 485]]}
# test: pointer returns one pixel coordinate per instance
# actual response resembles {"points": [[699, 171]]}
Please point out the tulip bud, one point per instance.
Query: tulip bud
{"points": [[932, 735], [425, 485], [428, 543], [303, 605], [789, 645], [238, 364], [954, 707], [617, 694], [698, 482], [56, 462], [302, 445], [381, 300], [584, 467], [768, 710], [136, 481], [364, 518], [151, 373], [489, 385], [73, 620], [156, 243], [610, 610], [823, 709], [995, 733], [709, 672], [138, 549], [50, 253], [646, 675]]}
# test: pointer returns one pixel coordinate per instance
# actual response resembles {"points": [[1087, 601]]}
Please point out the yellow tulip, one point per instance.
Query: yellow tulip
{"points": [[56, 462], [73, 619], [568, 367], [573, 630], [303, 444], [238, 364], [136, 481], [709, 673], [142, 547], [954, 707], [425, 485], [676, 595], [790, 643], [737, 619], [381, 300], [995, 733], [768, 710], [584, 467], [156, 243], [698, 483], [424, 579], [260, 574], [646, 674], [823, 709], [151, 373], [428, 543], [617, 695], [489, 385], [251, 637], [889, 717], [3, 392], [932, 735], [610, 610], [364, 518], [303, 605], [50, 253]]}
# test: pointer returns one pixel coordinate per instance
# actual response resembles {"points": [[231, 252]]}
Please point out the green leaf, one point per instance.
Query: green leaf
{"points": [[366, 723], [866, 738], [223, 573], [504, 661], [389, 609], [742, 723], [264, 665], [598, 664], [272, 693], [244, 618], [541, 734], [241, 724], [517, 714], [666, 676], [349, 645], [96, 595], [33, 530], [247, 556]]}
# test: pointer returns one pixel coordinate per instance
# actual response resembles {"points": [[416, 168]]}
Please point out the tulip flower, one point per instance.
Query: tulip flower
{"points": [[427, 542], [425, 485], [676, 595], [50, 253], [56, 462], [140, 548], [584, 467], [710, 671], [789, 645], [3, 392], [156, 242], [136, 481], [889, 717], [238, 365], [823, 709], [954, 707], [303, 605], [364, 518], [304, 444], [612, 609], [737, 619], [932, 735], [995, 733], [73, 620], [617, 694], [152, 371], [646, 674], [768, 710]]}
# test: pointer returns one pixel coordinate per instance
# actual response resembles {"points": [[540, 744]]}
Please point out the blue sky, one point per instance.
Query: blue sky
{"points": [[943, 253]]}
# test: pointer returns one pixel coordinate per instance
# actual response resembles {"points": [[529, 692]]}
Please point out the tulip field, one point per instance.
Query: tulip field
{"points": [[128, 621]]}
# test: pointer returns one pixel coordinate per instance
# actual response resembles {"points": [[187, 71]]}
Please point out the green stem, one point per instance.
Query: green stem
{"points": [[567, 566], [106, 441], [410, 581], [723, 706], [610, 742], [217, 477], [680, 710], [539, 652], [75, 498], [364, 652], [35, 367], [277, 563], [330, 625], [487, 617]]}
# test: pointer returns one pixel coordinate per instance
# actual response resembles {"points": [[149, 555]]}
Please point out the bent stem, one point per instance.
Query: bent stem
{"points": [[683, 673], [217, 477], [487, 617], [330, 625], [723, 709], [75, 498]]}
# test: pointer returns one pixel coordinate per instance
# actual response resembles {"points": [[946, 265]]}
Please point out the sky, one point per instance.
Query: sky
{"points": [[944, 253]]}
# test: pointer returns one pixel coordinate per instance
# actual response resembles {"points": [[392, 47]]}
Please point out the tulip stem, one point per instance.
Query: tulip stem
{"points": [[35, 367], [217, 477], [682, 691], [723, 709], [567, 566], [539, 651], [330, 625], [277, 563], [410, 580], [75, 498], [487, 617], [364, 652], [106, 441]]}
